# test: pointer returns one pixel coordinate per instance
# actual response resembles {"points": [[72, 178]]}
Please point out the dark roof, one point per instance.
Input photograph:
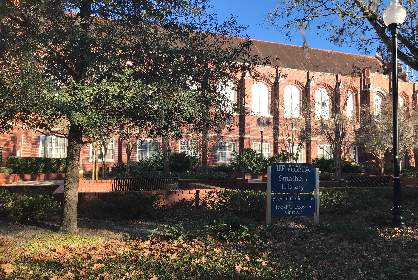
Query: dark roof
{"points": [[315, 60]]}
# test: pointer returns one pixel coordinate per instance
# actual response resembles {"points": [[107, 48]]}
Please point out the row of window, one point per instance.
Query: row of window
{"points": [[56, 148], [292, 99]]}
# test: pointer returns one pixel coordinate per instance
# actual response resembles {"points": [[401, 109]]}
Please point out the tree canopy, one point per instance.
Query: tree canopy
{"points": [[354, 23], [86, 67]]}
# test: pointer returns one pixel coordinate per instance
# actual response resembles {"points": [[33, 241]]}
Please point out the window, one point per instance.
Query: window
{"points": [[291, 101], [227, 89], [226, 151], [110, 154], [297, 151], [260, 97], [401, 105], [190, 147], [377, 104], [353, 154], [324, 151], [322, 103], [266, 149], [350, 104], [147, 148], [55, 146]]}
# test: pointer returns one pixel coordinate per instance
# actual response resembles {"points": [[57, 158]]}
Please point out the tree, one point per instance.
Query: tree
{"points": [[353, 22], [88, 66], [375, 134], [335, 122]]}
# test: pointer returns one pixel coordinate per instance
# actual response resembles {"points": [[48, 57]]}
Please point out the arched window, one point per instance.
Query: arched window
{"points": [[322, 109], [350, 104], [260, 98], [377, 104], [291, 101], [227, 89]]}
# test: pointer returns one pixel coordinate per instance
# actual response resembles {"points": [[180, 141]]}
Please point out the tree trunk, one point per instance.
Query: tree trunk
{"points": [[69, 219], [104, 160], [129, 148], [205, 146], [166, 154]]}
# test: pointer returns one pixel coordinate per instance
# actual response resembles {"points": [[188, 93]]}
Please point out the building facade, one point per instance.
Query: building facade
{"points": [[290, 94]]}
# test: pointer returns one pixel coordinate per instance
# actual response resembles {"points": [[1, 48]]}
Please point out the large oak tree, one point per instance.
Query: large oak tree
{"points": [[85, 67]]}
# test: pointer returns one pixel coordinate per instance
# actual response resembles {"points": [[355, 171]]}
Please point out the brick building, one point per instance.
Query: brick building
{"points": [[290, 93]]}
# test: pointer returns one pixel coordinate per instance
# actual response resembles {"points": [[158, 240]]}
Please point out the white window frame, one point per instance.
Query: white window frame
{"points": [[266, 149], [325, 151], [148, 152], [226, 151], [291, 101], [350, 104], [52, 151], [110, 156], [322, 103], [401, 105], [291, 148], [260, 99], [227, 89], [189, 147], [377, 104]]}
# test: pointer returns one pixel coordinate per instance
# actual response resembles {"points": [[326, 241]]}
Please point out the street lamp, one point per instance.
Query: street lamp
{"points": [[261, 126], [394, 16]]}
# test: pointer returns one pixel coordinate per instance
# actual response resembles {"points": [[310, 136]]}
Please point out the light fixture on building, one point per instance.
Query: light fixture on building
{"points": [[394, 16]]}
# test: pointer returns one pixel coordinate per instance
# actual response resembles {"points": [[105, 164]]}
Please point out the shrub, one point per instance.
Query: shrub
{"points": [[350, 167], [36, 165], [180, 162], [247, 161], [138, 205], [21, 207], [6, 170], [324, 165], [244, 204]]}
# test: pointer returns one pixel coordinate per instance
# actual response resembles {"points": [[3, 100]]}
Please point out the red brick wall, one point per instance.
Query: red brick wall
{"points": [[26, 143]]}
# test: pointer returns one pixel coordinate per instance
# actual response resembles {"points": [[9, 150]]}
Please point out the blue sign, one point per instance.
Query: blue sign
{"points": [[292, 178], [285, 205]]}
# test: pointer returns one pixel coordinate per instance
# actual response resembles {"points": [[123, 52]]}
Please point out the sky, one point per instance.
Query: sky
{"points": [[252, 13]]}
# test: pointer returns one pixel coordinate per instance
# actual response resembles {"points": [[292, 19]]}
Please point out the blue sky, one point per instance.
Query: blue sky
{"points": [[252, 14]]}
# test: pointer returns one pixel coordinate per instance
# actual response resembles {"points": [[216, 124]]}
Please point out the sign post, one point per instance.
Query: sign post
{"points": [[289, 191]]}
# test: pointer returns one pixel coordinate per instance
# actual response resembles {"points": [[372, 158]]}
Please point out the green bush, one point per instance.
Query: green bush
{"points": [[350, 167], [36, 165], [324, 165], [21, 207], [6, 170], [138, 205], [248, 161], [410, 172], [180, 162], [244, 204]]}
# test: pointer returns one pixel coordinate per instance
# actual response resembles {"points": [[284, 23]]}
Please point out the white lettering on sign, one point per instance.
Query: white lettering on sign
{"points": [[292, 198], [292, 178], [293, 168], [295, 207]]}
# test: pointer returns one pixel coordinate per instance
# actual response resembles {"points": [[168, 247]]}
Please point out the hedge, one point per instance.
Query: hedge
{"points": [[36, 165]]}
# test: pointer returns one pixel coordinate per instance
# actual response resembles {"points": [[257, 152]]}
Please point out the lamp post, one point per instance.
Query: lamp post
{"points": [[394, 16], [261, 126]]}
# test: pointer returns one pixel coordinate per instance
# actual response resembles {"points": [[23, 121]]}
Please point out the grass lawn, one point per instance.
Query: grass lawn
{"points": [[229, 241]]}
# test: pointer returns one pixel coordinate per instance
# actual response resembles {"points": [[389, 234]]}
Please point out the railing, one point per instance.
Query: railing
{"points": [[145, 184], [369, 181]]}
